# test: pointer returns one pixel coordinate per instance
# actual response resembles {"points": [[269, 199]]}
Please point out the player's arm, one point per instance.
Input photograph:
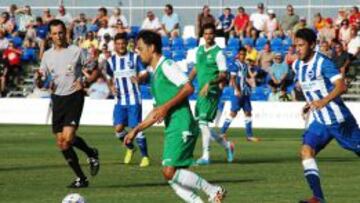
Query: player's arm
{"points": [[192, 74], [234, 84], [109, 74]]}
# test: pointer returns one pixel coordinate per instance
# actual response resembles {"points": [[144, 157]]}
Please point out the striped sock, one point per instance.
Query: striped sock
{"points": [[311, 173], [248, 126], [226, 125]]}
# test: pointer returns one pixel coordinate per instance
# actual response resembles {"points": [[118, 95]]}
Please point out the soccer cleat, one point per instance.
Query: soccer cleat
{"points": [[218, 196], [79, 183], [128, 156], [253, 139], [230, 152], [145, 162], [202, 162], [94, 163], [313, 200]]}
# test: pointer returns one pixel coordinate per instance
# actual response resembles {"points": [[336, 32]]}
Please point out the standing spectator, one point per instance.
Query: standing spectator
{"points": [[354, 15], [271, 24], [116, 17], [328, 33], [90, 41], [204, 18], [100, 17], [226, 21], [24, 19], [13, 63], [265, 58], [319, 22], [341, 58], [170, 22], [345, 32], [151, 22], [259, 19], [290, 19], [279, 73], [325, 49], [47, 16], [241, 22], [64, 16], [354, 44], [99, 89]]}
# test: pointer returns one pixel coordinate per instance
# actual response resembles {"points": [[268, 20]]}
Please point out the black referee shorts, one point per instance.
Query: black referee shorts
{"points": [[66, 110]]}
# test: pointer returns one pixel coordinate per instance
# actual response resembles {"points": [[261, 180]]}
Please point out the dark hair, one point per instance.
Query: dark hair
{"points": [[227, 8], [151, 38], [56, 22], [39, 19], [307, 35], [241, 9], [119, 36], [242, 49], [209, 26], [169, 6], [103, 9]]}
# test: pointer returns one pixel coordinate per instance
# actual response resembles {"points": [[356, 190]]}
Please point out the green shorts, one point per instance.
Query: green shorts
{"points": [[206, 108], [179, 146]]}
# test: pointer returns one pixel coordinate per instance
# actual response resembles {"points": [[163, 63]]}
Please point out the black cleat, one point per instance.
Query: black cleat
{"points": [[79, 183], [94, 163]]}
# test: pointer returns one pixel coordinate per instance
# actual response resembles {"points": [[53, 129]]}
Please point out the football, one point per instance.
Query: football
{"points": [[74, 198]]}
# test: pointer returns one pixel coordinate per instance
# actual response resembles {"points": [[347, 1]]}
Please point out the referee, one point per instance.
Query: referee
{"points": [[64, 63]]}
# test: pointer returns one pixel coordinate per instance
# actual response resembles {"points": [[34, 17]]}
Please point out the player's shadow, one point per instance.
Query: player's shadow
{"points": [[164, 184], [259, 160], [30, 168]]}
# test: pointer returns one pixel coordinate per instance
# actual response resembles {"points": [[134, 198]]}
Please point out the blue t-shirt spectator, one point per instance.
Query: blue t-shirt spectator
{"points": [[226, 20], [42, 31], [278, 70]]}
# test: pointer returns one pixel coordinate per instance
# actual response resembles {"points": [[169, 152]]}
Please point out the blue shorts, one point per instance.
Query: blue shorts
{"points": [[347, 134], [238, 103], [129, 116]]}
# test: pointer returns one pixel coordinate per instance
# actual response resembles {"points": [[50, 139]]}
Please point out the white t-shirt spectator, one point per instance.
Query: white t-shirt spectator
{"points": [[151, 25], [259, 20], [67, 18], [104, 31], [354, 45], [113, 20], [99, 90]]}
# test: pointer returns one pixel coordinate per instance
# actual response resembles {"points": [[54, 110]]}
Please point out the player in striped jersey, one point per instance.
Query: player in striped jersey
{"points": [[322, 85], [124, 71], [241, 97]]}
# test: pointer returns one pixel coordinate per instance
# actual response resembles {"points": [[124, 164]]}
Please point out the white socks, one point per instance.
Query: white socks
{"points": [[219, 139], [184, 193], [206, 134]]}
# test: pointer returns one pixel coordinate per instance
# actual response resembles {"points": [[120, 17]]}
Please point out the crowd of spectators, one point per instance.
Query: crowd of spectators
{"points": [[266, 39]]}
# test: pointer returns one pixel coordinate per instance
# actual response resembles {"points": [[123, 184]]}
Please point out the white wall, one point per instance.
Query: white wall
{"points": [[99, 112]]}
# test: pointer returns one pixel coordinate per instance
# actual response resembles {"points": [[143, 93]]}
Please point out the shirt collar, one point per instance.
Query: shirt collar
{"points": [[162, 58]]}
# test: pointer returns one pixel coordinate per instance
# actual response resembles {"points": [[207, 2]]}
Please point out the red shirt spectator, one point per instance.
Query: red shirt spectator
{"points": [[355, 15], [241, 20], [12, 55]]}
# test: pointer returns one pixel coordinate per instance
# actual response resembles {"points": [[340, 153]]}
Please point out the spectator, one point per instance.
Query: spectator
{"points": [[342, 15], [325, 49], [41, 31], [99, 89], [279, 74], [271, 24], [251, 52], [328, 33], [12, 13], [117, 17], [103, 57], [265, 58], [300, 25], [170, 22], [256, 74], [13, 64], [91, 67], [104, 29], [254, 35], [25, 18], [4, 42], [79, 26], [108, 41], [354, 44], [319, 22], [28, 52], [151, 22], [204, 18], [120, 28], [341, 58], [90, 41], [354, 15], [241, 22], [291, 55], [290, 19], [47, 16], [226, 20], [345, 32], [2, 77], [5, 20], [100, 17], [259, 19], [64, 16]]}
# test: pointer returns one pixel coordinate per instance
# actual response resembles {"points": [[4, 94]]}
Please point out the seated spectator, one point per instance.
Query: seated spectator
{"points": [[91, 68], [24, 19], [103, 57], [290, 19], [226, 20], [108, 41], [256, 76], [354, 15], [279, 74], [12, 13], [204, 18], [341, 58], [13, 70], [328, 33], [325, 49], [345, 32], [79, 27], [258, 20], [104, 30], [120, 28], [250, 50], [64, 16], [5, 20], [100, 17], [2, 77], [319, 22], [151, 22], [354, 44], [271, 24], [99, 89], [29, 52], [117, 17], [41, 31], [90, 41], [342, 15], [265, 58], [41, 87], [170, 22], [4, 42], [47, 16], [241, 22], [291, 55], [30, 32], [300, 25]]}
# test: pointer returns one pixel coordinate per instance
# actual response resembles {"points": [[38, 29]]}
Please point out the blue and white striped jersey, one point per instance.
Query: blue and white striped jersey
{"points": [[240, 70], [316, 79], [120, 69]]}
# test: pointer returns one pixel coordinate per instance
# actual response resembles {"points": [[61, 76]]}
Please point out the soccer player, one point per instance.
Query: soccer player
{"points": [[64, 63], [124, 70], [210, 69], [241, 97], [171, 89], [322, 85]]}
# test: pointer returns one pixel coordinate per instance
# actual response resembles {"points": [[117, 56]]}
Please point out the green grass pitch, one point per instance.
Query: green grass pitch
{"points": [[33, 170]]}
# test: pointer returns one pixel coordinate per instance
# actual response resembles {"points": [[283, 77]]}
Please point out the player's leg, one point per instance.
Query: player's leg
{"points": [[235, 107], [245, 104], [314, 140]]}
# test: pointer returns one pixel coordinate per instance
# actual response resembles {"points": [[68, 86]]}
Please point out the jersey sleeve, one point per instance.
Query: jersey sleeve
{"points": [[174, 74], [109, 71], [329, 70], [221, 61], [233, 68]]}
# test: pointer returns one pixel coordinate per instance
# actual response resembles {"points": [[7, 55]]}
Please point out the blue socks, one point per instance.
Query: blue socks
{"points": [[226, 125], [248, 127], [311, 173], [141, 142]]}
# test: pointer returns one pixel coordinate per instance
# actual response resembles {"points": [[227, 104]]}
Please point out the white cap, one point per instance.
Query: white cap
{"points": [[270, 11]]}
